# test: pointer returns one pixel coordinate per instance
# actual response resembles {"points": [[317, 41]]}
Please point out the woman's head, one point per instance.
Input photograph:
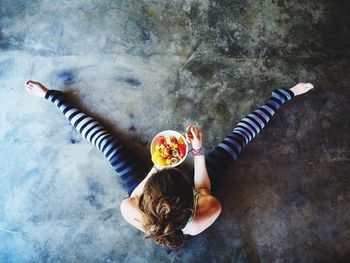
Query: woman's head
{"points": [[166, 203]]}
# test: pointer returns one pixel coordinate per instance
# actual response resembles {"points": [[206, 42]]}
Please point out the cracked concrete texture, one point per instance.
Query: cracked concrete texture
{"points": [[145, 66]]}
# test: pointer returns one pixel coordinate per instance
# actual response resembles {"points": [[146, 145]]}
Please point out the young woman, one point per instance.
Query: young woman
{"points": [[164, 204]]}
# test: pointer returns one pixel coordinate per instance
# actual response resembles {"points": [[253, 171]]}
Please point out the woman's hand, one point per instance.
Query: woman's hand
{"points": [[301, 88], [194, 136]]}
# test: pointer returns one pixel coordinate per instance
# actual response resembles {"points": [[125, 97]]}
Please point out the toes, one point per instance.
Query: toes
{"points": [[29, 83], [309, 86], [32, 82]]}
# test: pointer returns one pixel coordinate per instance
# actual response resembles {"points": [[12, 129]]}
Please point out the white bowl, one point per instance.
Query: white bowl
{"points": [[177, 135]]}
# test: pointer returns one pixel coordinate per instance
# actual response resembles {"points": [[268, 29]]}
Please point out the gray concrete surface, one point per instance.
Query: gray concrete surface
{"points": [[145, 66]]}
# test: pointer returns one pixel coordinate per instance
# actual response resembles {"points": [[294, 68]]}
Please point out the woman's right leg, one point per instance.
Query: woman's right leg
{"points": [[126, 165], [219, 160]]}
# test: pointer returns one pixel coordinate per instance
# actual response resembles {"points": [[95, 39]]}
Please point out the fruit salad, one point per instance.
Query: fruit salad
{"points": [[168, 150]]}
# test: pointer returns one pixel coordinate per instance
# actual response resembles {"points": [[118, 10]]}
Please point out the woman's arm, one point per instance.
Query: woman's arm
{"points": [[129, 206], [139, 189], [201, 177]]}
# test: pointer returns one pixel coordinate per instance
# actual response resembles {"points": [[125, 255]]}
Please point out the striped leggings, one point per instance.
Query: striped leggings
{"points": [[130, 169]]}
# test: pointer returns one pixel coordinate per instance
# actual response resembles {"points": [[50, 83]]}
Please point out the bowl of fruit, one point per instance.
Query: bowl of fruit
{"points": [[169, 149]]}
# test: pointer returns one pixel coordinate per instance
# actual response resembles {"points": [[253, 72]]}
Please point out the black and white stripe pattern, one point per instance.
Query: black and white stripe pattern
{"points": [[227, 151], [126, 165]]}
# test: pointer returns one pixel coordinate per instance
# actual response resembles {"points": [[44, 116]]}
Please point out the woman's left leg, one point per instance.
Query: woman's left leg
{"points": [[127, 166]]}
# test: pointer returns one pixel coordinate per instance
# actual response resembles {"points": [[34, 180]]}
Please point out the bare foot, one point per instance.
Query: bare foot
{"points": [[301, 88], [36, 88]]}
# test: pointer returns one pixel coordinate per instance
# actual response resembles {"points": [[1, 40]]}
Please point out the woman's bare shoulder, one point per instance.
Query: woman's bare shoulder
{"points": [[208, 210], [130, 205], [207, 203], [131, 212]]}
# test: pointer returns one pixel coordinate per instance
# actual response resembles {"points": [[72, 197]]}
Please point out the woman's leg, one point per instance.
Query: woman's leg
{"points": [[127, 166], [223, 155]]}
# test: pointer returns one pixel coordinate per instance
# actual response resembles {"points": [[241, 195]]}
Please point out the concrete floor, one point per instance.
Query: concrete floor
{"points": [[145, 66]]}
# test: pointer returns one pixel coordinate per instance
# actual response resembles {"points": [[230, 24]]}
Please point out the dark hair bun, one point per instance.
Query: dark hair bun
{"points": [[175, 239], [166, 205]]}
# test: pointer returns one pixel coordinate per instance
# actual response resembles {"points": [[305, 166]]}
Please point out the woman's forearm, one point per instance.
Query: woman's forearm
{"points": [[201, 177], [139, 189]]}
